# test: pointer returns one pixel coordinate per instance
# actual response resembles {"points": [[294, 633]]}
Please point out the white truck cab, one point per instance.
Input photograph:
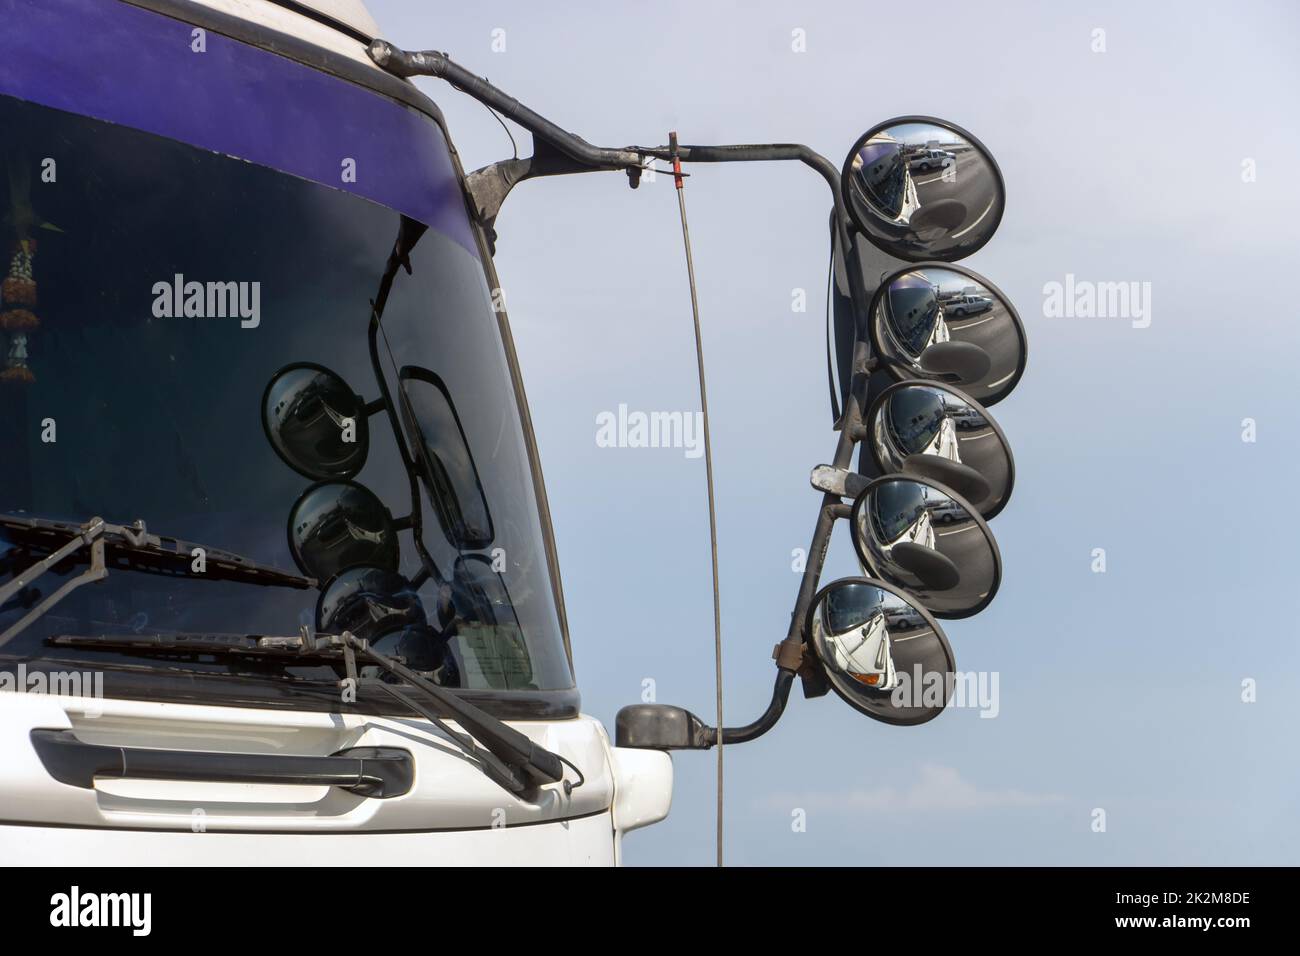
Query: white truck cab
{"points": [[256, 390]]}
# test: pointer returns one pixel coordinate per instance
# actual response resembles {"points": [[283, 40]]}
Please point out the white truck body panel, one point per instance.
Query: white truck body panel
{"points": [[454, 814]]}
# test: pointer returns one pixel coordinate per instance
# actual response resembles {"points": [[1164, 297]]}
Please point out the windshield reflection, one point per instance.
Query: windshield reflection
{"points": [[159, 417]]}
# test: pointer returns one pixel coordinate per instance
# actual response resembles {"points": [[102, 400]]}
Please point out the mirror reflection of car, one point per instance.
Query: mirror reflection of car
{"points": [[967, 304], [965, 417], [928, 159], [900, 617], [946, 511]]}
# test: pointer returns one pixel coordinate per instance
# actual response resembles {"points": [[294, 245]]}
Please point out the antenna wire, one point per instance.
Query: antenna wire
{"points": [[708, 471]]}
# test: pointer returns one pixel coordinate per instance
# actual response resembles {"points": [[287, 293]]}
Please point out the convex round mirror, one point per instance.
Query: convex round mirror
{"points": [[881, 651], [922, 188], [315, 422], [948, 324], [369, 602], [382, 607], [336, 525], [425, 650], [934, 431], [924, 537]]}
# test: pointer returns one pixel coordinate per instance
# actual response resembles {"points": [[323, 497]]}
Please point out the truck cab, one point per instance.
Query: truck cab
{"points": [[258, 385]]}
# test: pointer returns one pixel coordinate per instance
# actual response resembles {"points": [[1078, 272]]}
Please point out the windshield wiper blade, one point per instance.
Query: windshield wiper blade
{"points": [[240, 645], [120, 547], [507, 756]]}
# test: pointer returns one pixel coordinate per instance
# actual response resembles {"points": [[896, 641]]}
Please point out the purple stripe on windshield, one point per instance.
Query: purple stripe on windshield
{"points": [[112, 61]]}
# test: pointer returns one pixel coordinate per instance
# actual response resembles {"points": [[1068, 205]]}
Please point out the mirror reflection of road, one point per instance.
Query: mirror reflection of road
{"points": [[973, 185], [965, 544], [982, 450], [992, 331]]}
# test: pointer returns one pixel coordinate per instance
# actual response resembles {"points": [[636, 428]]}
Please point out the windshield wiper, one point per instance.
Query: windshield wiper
{"points": [[120, 547], [507, 756]]}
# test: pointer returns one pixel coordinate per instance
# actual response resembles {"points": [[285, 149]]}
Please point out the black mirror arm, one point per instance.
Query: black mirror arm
{"points": [[769, 717], [433, 63], [664, 727], [754, 153], [490, 184]]}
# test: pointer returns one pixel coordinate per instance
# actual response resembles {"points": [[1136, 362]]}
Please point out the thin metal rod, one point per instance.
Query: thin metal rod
{"points": [[708, 472], [756, 153]]}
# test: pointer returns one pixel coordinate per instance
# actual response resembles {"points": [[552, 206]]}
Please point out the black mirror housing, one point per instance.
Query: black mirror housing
{"points": [[661, 727]]}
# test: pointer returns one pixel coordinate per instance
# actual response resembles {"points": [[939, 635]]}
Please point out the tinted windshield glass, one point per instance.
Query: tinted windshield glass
{"points": [[884, 174], [915, 416], [850, 606], [156, 291], [896, 506], [913, 311]]}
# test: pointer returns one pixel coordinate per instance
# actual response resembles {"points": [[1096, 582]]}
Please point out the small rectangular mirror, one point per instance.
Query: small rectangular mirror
{"points": [[661, 727]]}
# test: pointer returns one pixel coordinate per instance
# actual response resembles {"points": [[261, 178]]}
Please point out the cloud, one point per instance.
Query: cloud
{"points": [[936, 788]]}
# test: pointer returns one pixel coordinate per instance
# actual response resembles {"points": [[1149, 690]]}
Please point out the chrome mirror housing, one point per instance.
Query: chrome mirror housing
{"points": [[923, 536], [931, 430], [921, 188], [879, 648], [947, 324]]}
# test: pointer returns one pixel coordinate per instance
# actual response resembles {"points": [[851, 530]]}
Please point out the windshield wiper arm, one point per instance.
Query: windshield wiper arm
{"points": [[124, 547], [507, 756]]}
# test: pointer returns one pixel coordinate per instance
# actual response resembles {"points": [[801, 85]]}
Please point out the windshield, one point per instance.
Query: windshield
{"points": [[914, 312], [915, 417], [152, 293], [896, 507], [883, 175]]}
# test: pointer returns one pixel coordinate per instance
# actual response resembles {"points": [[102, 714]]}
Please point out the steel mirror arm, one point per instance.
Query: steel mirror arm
{"points": [[490, 184], [664, 727], [432, 63], [756, 153]]}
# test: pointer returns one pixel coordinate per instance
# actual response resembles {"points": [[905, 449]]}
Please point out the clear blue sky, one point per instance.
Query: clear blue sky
{"points": [[1120, 690]]}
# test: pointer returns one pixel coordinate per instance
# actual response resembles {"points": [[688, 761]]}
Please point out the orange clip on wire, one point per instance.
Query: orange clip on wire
{"points": [[677, 162]]}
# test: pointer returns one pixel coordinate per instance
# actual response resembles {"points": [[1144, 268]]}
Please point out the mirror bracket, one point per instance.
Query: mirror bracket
{"points": [[789, 654], [664, 727], [838, 481], [813, 680], [490, 185]]}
